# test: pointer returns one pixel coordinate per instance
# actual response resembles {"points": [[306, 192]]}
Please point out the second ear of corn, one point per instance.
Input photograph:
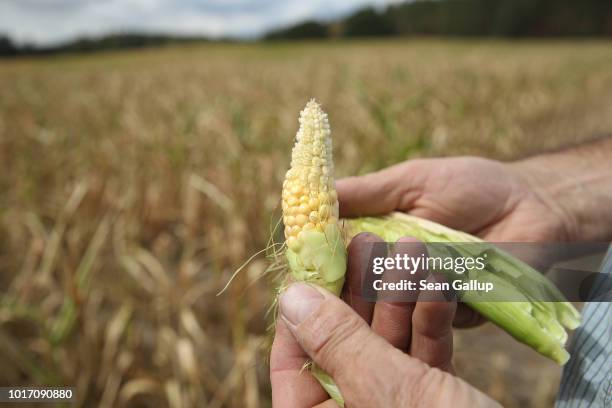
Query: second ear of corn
{"points": [[316, 251], [517, 305]]}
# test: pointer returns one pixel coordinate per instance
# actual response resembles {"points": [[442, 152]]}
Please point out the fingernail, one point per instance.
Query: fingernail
{"points": [[298, 302]]}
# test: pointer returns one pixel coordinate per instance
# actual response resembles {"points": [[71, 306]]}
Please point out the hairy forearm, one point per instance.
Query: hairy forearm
{"points": [[577, 184]]}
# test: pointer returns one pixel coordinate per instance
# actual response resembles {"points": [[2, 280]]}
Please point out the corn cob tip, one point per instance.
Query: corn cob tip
{"points": [[309, 199]]}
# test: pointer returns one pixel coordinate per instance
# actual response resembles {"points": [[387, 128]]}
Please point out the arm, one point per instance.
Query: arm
{"points": [[560, 196], [576, 183]]}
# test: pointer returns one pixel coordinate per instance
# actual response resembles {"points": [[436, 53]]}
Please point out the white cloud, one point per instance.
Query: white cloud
{"points": [[52, 21]]}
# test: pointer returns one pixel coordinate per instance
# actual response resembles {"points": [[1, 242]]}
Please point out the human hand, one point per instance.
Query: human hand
{"points": [[487, 198], [370, 372], [422, 330], [493, 200]]}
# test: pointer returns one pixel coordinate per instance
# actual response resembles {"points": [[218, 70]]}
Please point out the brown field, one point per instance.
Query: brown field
{"points": [[133, 184]]}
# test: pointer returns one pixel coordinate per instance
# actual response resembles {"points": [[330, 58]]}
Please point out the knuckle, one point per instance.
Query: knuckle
{"points": [[435, 319], [423, 390]]}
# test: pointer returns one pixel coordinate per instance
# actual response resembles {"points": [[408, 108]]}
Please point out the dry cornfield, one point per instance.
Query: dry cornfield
{"points": [[134, 183]]}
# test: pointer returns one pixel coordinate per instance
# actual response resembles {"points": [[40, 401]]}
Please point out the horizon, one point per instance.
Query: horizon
{"points": [[51, 23]]}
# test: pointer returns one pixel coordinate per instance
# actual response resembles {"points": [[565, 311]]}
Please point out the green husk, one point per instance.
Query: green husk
{"points": [[540, 325], [320, 258], [328, 384]]}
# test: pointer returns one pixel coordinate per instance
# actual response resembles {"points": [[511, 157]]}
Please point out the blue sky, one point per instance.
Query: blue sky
{"points": [[52, 21]]}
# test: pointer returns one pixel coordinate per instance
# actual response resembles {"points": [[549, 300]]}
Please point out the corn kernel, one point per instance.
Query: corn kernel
{"points": [[301, 220]]}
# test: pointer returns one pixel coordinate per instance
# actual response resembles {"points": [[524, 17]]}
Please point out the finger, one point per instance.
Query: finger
{"points": [[432, 333], [466, 317], [292, 386], [393, 188], [342, 344], [367, 369], [361, 249], [392, 322], [393, 319]]}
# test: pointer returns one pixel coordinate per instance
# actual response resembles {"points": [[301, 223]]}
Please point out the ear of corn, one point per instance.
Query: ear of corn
{"points": [[315, 250], [532, 321], [316, 253]]}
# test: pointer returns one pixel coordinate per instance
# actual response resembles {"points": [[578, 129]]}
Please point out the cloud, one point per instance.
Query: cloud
{"points": [[53, 21]]}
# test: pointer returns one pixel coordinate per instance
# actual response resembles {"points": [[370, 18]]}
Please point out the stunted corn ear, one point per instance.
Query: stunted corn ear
{"points": [[315, 248]]}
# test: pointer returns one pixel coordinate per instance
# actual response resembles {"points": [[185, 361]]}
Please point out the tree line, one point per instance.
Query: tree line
{"points": [[83, 45], [461, 18], [482, 18]]}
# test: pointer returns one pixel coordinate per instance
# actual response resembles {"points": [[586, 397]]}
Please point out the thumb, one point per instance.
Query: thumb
{"points": [[390, 189], [367, 369]]}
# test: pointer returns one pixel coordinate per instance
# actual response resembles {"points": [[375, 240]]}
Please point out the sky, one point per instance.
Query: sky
{"points": [[47, 22]]}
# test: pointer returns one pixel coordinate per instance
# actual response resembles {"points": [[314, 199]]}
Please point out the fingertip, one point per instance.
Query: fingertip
{"points": [[466, 317], [364, 238], [411, 246], [361, 248], [346, 188], [370, 194], [357, 291], [342, 183], [299, 301], [415, 244]]}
